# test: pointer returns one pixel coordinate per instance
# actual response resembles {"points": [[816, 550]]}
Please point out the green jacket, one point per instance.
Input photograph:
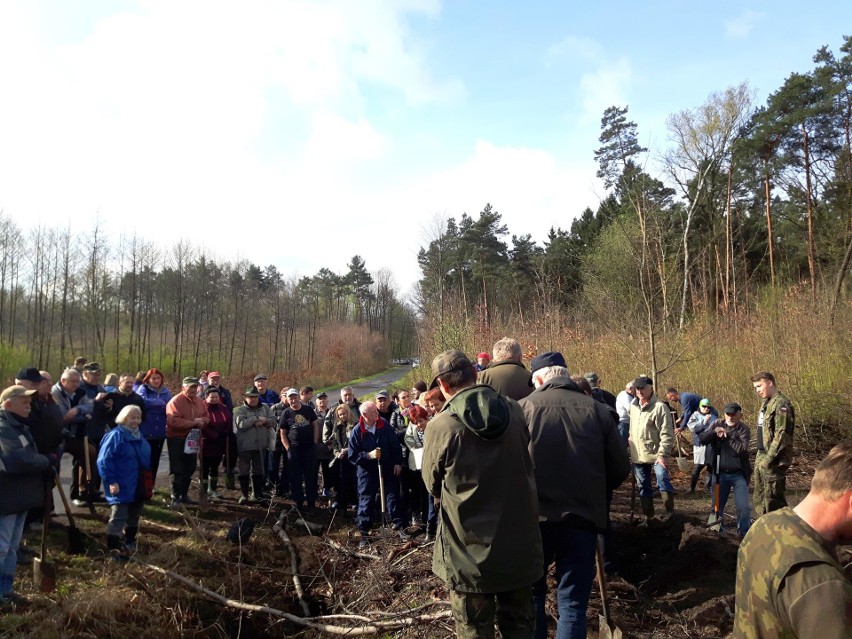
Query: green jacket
{"points": [[475, 459], [651, 431], [250, 434], [775, 433], [508, 378], [789, 584]]}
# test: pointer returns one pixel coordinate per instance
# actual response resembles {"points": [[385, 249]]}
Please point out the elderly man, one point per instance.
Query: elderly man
{"points": [[77, 410], [299, 431], [347, 396], [23, 482], [215, 379], [622, 407], [651, 440], [266, 395], [600, 394], [374, 448], [578, 457], [184, 412], [253, 422], [122, 396], [775, 425], [477, 466], [506, 374], [790, 582]]}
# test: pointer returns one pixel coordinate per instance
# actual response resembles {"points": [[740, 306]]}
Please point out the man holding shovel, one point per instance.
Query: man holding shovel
{"points": [[23, 481], [729, 438]]}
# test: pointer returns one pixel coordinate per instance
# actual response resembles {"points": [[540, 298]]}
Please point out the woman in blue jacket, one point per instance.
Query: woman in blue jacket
{"points": [[123, 452], [156, 396]]}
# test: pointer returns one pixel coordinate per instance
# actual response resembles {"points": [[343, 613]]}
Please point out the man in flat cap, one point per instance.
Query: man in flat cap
{"points": [[477, 466]]}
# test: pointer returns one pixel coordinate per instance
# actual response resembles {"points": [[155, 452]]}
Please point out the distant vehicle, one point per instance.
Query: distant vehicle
{"points": [[415, 363]]}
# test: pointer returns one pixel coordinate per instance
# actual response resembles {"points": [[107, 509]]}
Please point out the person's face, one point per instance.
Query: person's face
{"points": [[306, 397], [45, 386], [703, 409], [125, 384], [92, 377], [133, 420], [764, 388], [645, 392], [322, 403], [732, 419], [370, 415], [434, 406], [212, 398], [630, 390], [482, 361], [191, 391], [70, 384], [261, 385], [404, 399], [202, 377], [342, 415], [672, 397], [347, 396], [295, 401], [19, 405], [156, 380], [415, 393], [252, 400], [215, 380], [382, 403]]}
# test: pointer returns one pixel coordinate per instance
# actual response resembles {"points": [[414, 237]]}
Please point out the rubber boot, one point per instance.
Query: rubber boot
{"points": [[648, 510], [130, 538], [668, 503], [115, 548], [244, 488], [211, 488], [229, 480], [257, 484]]}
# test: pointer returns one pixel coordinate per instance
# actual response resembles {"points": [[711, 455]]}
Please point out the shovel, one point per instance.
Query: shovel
{"points": [[382, 494], [75, 537], [44, 572], [683, 464], [90, 489], [632, 496], [203, 503], [714, 521], [608, 630]]}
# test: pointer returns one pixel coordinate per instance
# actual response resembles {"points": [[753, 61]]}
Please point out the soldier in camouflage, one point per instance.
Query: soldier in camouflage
{"points": [[789, 580], [774, 445]]}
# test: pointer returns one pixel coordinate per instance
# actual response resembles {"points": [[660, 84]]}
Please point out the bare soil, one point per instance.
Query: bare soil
{"points": [[672, 580]]}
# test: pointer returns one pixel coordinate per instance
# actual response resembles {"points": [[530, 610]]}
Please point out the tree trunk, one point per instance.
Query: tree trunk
{"points": [[769, 229], [809, 201]]}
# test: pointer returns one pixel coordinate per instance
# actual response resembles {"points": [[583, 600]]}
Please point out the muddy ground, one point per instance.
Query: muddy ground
{"points": [[675, 580]]}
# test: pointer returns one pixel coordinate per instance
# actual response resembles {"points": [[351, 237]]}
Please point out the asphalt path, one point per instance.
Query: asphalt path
{"points": [[373, 385]]}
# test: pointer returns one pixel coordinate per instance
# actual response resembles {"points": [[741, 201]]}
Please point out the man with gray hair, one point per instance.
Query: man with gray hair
{"points": [[506, 374], [578, 458]]}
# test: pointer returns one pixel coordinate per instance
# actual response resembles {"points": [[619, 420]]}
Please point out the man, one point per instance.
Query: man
{"points": [[347, 396], [599, 393], [122, 396], [578, 457], [77, 409], [215, 379], [789, 580], [374, 449], [184, 412], [277, 473], [477, 466], [775, 425], [729, 438], [266, 395], [385, 406], [306, 395], [300, 432], [22, 483], [622, 407], [506, 374], [651, 439], [688, 401], [482, 362], [253, 422]]}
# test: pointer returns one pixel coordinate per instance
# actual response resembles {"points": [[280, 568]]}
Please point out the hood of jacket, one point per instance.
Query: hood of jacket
{"points": [[482, 411]]}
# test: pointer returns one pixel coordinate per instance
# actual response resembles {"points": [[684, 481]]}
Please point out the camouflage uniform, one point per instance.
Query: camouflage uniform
{"points": [[789, 584], [774, 454]]}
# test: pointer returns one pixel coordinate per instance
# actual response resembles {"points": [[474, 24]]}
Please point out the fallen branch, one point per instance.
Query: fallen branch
{"points": [[347, 551], [294, 562], [373, 627], [188, 518]]}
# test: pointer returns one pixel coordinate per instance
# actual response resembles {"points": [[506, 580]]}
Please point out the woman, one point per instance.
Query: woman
{"points": [[434, 401], [123, 453], [156, 397], [213, 438], [422, 503], [338, 425], [111, 382]]}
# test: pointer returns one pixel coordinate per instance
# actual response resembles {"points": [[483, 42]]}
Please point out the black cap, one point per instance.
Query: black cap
{"points": [[382, 393], [733, 408], [30, 375], [550, 358], [642, 381], [259, 376]]}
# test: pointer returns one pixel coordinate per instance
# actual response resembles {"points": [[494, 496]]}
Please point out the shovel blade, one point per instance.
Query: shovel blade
{"points": [[607, 632], [714, 522], [44, 575]]}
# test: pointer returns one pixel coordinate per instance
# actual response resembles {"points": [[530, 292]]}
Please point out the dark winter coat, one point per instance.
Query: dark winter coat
{"points": [[508, 378], [23, 476]]}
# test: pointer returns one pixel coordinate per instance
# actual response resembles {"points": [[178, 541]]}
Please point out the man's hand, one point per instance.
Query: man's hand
{"points": [[261, 421], [114, 489], [661, 460], [342, 454], [198, 421], [397, 470], [721, 433], [376, 453]]}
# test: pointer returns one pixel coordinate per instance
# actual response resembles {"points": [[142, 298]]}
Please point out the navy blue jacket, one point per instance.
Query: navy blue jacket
{"points": [[362, 441], [153, 425]]}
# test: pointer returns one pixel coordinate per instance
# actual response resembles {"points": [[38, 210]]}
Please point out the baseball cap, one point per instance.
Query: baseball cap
{"points": [[733, 408], [592, 378], [292, 391], [447, 362], [214, 374], [190, 381], [260, 376], [92, 367], [382, 393], [704, 402], [15, 391], [30, 375], [550, 358], [642, 381], [483, 355], [322, 394]]}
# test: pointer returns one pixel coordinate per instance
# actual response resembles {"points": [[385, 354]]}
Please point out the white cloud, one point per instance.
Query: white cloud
{"points": [[743, 24], [603, 80]]}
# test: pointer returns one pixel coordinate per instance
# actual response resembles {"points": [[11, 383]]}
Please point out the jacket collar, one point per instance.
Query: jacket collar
{"points": [[560, 382], [362, 425]]}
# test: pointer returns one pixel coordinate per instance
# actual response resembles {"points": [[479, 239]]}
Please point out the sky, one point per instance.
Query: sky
{"points": [[302, 133]]}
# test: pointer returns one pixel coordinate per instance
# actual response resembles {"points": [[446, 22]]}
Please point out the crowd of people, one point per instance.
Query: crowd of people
{"points": [[509, 469]]}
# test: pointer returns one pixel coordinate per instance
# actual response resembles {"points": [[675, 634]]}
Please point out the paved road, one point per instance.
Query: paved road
{"points": [[385, 380]]}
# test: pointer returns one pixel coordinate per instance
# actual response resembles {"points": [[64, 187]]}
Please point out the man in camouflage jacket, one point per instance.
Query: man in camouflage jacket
{"points": [[774, 445]]}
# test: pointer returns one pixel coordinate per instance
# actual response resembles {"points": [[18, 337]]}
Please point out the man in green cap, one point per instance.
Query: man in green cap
{"points": [[775, 425], [477, 466]]}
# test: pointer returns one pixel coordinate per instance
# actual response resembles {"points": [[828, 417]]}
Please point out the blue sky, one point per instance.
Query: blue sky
{"points": [[300, 133]]}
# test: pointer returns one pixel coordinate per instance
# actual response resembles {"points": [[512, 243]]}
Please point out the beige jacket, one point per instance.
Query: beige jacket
{"points": [[651, 431]]}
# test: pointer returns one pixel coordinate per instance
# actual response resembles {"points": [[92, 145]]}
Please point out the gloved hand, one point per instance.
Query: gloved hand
{"points": [[376, 453]]}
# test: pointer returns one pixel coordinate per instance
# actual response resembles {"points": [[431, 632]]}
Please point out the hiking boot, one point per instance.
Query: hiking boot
{"points": [[230, 484], [213, 495], [428, 539], [79, 503], [176, 503], [364, 541]]}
